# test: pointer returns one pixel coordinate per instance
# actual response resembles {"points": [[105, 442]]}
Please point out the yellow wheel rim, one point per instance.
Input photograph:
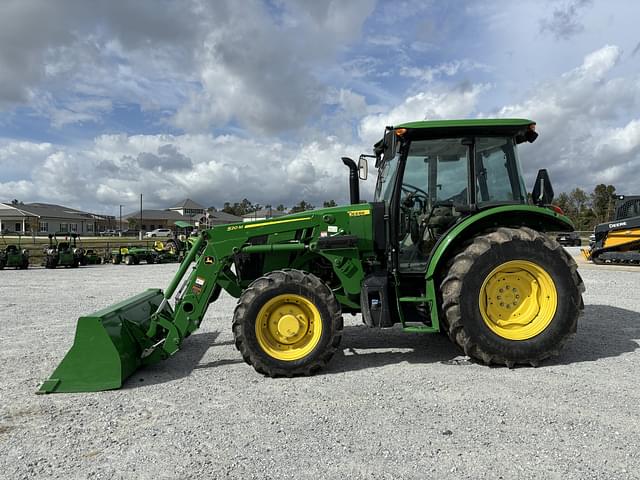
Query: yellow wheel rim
{"points": [[288, 327], [518, 300]]}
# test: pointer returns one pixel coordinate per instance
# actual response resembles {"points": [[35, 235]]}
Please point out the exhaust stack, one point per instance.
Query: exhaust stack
{"points": [[354, 185]]}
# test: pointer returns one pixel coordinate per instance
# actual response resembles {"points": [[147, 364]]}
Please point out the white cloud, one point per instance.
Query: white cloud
{"points": [[115, 169], [447, 69], [578, 116], [437, 104]]}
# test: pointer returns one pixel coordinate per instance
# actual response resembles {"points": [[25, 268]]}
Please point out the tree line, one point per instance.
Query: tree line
{"points": [[246, 207], [588, 210]]}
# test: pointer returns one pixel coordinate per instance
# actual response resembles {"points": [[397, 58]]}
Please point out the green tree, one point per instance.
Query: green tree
{"points": [[301, 207], [563, 202], [281, 208], [330, 203], [603, 199], [239, 209]]}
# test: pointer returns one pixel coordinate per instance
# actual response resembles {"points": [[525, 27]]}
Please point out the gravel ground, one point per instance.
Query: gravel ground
{"points": [[391, 405]]}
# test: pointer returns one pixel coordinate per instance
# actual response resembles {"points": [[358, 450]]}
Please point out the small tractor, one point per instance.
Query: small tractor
{"points": [[170, 251], [91, 257], [132, 255], [63, 254], [161, 252], [449, 244], [13, 256], [618, 241]]}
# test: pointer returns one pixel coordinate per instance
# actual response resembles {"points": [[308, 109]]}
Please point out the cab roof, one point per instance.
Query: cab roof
{"points": [[469, 123]]}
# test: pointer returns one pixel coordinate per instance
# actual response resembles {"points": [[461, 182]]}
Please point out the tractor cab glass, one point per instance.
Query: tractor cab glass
{"points": [[436, 190]]}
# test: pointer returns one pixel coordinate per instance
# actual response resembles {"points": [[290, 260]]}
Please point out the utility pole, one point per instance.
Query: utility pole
{"points": [[140, 230]]}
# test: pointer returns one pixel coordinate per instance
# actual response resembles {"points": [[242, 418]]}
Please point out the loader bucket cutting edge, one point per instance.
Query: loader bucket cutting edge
{"points": [[107, 347]]}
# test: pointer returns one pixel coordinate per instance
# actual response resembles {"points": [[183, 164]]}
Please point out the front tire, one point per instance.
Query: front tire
{"points": [[287, 323], [512, 296]]}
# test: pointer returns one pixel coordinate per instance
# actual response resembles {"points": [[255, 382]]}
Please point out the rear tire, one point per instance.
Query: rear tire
{"points": [[128, 260], [512, 296], [287, 323]]}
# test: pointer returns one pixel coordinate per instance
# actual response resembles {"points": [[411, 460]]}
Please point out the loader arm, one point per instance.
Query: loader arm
{"points": [[112, 343]]}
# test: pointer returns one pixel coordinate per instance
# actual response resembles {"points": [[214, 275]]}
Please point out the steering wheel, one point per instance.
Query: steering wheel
{"points": [[406, 187]]}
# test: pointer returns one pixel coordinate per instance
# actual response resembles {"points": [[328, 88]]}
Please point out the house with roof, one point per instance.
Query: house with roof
{"points": [[45, 218], [183, 215], [188, 208]]}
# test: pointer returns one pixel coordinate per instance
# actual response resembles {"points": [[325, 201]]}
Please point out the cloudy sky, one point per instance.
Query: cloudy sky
{"points": [[220, 100]]}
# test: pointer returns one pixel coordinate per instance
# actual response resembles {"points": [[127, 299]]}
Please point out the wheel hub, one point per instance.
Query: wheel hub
{"points": [[288, 327], [518, 300], [512, 298]]}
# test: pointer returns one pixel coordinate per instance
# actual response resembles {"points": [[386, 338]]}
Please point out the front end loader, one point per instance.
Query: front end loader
{"points": [[449, 244]]}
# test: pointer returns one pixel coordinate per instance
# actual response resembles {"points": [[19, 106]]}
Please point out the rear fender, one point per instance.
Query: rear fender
{"points": [[538, 218]]}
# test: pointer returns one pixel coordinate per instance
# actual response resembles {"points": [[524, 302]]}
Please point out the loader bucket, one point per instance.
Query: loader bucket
{"points": [[107, 347]]}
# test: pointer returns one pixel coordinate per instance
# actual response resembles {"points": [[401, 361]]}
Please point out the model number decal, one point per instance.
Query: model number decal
{"points": [[359, 213], [234, 227]]}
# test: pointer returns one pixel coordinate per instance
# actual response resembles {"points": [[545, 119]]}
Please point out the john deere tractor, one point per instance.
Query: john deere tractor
{"points": [[449, 244], [64, 253], [13, 256]]}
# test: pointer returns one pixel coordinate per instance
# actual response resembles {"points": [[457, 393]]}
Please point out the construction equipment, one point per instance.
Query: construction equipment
{"points": [[64, 253], [618, 241], [13, 256], [449, 244]]}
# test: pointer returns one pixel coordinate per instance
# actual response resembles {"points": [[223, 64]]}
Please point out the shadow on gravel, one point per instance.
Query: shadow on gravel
{"points": [[182, 364], [603, 331], [359, 342]]}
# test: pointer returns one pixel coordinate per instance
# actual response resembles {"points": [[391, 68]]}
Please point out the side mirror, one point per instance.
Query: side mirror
{"points": [[542, 193], [363, 168]]}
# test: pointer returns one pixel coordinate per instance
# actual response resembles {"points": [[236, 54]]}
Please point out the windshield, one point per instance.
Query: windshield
{"points": [[386, 176], [498, 171], [436, 170]]}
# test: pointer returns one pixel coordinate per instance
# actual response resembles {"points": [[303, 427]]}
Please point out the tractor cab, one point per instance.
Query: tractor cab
{"points": [[434, 174]]}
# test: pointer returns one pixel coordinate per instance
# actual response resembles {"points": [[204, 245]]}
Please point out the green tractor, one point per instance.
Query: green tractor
{"points": [[63, 253], [161, 252], [132, 255], [91, 257], [170, 251], [13, 256], [449, 244]]}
